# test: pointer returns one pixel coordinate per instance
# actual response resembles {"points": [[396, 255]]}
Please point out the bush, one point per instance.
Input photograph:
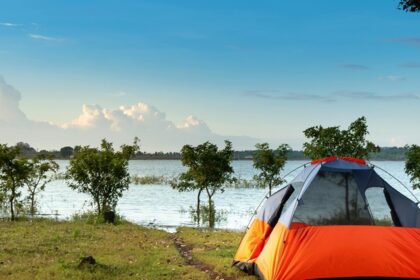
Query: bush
{"points": [[93, 218]]}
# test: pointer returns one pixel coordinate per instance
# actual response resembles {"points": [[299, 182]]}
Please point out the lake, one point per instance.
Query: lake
{"points": [[161, 206]]}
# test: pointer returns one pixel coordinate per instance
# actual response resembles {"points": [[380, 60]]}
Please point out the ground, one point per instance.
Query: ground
{"points": [[46, 249]]}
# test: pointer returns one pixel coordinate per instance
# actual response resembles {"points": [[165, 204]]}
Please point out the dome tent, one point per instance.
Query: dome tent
{"points": [[329, 222]]}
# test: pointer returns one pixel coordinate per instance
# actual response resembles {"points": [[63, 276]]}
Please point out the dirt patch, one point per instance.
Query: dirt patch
{"points": [[185, 252]]}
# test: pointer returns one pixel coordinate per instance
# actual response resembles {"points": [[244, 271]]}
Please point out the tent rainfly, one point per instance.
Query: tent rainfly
{"points": [[337, 219]]}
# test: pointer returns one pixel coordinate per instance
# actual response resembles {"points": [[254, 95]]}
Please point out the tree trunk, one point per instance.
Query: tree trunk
{"points": [[12, 211], [32, 206], [212, 214], [269, 188], [98, 206], [198, 206], [32, 210]]}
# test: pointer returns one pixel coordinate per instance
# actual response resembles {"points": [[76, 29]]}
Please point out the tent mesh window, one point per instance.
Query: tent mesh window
{"points": [[333, 198], [380, 210]]}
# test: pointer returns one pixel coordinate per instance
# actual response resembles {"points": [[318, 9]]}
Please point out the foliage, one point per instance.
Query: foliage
{"points": [[149, 180], [270, 163], [208, 170], [92, 218], [410, 5], [14, 171], [101, 173], [207, 215], [331, 141], [66, 152], [42, 170], [25, 149], [412, 165]]}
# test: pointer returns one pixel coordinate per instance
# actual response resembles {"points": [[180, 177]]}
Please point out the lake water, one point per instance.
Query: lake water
{"points": [[161, 206]]}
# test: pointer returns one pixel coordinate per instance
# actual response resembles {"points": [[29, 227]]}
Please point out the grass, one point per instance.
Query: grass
{"points": [[46, 249], [214, 248]]}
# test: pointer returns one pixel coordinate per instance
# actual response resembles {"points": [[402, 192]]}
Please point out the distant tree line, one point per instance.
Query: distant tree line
{"points": [[385, 153]]}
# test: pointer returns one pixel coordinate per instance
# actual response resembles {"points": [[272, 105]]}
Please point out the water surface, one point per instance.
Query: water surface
{"points": [[161, 206]]}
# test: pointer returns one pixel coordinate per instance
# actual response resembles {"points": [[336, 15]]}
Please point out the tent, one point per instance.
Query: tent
{"points": [[337, 219]]}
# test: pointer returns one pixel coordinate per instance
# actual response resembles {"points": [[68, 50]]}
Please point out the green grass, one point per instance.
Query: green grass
{"points": [[45, 249], [214, 248]]}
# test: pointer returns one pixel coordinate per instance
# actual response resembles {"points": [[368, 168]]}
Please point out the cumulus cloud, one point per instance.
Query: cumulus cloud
{"points": [[119, 125], [397, 141], [9, 103]]}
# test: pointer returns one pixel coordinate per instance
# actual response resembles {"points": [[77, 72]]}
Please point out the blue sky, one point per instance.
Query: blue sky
{"points": [[263, 69]]}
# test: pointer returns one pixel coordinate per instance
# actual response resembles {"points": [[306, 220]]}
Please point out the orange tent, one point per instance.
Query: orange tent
{"points": [[337, 219]]}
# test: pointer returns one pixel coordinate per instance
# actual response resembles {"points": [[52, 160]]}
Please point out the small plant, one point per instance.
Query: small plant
{"points": [[149, 180], [93, 218], [206, 215]]}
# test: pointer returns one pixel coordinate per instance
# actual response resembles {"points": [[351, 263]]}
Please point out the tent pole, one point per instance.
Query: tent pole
{"points": [[347, 197]]}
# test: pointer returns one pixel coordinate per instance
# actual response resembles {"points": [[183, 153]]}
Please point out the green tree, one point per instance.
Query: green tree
{"points": [[101, 173], [270, 163], [410, 5], [41, 170], [14, 170], [66, 152], [412, 165], [331, 141], [26, 149], [208, 170]]}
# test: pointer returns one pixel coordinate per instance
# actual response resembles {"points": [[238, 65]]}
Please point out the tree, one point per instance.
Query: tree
{"points": [[40, 174], [66, 152], [26, 149], [331, 141], [410, 5], [101, 173], [208, 170], [14, 170], [270, 163], [412, 165]]}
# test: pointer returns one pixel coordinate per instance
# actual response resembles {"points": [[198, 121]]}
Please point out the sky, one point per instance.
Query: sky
{"points": [[184, 72]]}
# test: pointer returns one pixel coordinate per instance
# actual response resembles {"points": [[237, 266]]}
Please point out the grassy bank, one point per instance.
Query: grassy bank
{"points": [[46, 249]]}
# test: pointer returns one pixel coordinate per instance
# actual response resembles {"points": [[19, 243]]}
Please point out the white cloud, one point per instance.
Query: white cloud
{"points": [[47, 38], [9, 24], [189, 122], [90, 116], [397, 141], [9, 103], [119, 125]]}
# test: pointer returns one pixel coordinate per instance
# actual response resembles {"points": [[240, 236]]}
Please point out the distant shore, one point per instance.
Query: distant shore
{"points": [[385, 154]]}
